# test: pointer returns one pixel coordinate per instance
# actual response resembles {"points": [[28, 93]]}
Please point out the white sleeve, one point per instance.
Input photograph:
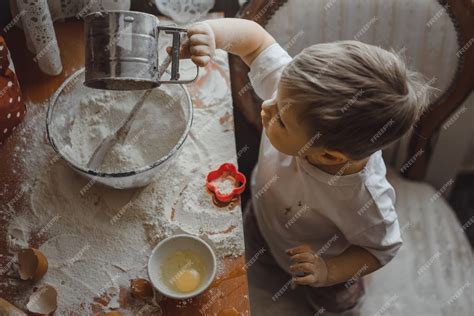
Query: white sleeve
{"points": [[382, 240], [266, 69], [381, 235]]}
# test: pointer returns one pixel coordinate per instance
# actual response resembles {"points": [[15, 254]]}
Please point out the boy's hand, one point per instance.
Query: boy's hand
{"points": [[308, 268], [200, 44]]}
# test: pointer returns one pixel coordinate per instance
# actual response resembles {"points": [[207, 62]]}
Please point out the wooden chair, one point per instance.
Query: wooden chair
{"points": [[429, 275]]}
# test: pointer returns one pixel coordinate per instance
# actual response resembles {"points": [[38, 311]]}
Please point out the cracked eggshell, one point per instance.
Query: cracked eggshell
{"points": [[9, 309], [32, 264], [44, 301]]}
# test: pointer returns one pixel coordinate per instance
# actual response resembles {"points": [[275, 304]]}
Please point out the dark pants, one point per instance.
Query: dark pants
{"points": [[335, 299]]}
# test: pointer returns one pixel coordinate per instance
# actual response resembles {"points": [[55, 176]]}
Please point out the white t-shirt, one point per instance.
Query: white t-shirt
{"points": [[297, 203]]}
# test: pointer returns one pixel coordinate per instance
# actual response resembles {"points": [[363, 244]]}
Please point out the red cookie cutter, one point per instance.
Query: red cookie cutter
{"points": [[226, 170]]}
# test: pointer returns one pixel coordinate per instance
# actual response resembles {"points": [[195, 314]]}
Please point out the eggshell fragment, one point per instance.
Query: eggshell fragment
{"points": [[43, 301], [32, 264], [10, 310], [141, 288]]}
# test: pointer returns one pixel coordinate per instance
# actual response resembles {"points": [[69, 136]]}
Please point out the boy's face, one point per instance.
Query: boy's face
{"points": [[283, 128], [287, 134]]}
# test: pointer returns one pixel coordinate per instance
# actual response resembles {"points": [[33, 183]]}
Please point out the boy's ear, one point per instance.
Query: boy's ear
{"points": [[333, 157]]}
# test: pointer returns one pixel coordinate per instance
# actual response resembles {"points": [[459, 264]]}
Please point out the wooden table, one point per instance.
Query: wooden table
{"points": [[38, 87]]}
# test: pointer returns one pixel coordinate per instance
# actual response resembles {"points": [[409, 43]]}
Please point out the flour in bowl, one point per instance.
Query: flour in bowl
{"points": [[156, 129]]}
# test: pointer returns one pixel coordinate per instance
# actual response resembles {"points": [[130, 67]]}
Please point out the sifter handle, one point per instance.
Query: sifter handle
{"points": [[176, 45]]}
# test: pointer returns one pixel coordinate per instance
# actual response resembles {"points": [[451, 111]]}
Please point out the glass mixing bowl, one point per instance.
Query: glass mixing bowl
{"points": [[64, 108]]}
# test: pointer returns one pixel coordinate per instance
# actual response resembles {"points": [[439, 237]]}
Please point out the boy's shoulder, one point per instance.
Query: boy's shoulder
{"points": [[381, 194], [265, 70]]}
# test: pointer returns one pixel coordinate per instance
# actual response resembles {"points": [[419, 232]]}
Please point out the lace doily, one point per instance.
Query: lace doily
{"points": [[185, 11], [37, 18]]}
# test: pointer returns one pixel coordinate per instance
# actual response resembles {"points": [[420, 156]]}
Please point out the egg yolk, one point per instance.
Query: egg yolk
{"points": [[188, 280]]}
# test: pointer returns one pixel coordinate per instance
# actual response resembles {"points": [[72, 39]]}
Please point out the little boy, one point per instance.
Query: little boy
{"points": [[321, 203]]}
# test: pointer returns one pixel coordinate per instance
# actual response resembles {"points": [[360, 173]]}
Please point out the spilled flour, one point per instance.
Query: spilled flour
{"points": [[95, 238]]}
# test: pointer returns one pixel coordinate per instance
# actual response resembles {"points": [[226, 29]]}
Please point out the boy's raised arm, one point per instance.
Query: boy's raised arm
{"points": [[244, 38]]}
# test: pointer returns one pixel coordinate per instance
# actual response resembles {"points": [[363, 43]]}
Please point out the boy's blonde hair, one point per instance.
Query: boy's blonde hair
{"points": [[358, 97]]}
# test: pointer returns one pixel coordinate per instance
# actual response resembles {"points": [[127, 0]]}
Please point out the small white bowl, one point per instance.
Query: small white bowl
{"points": [[175, 243]]}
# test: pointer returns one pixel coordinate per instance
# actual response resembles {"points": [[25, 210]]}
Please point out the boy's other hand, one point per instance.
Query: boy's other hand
{"points": [[307, 267], [200, 44]]}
